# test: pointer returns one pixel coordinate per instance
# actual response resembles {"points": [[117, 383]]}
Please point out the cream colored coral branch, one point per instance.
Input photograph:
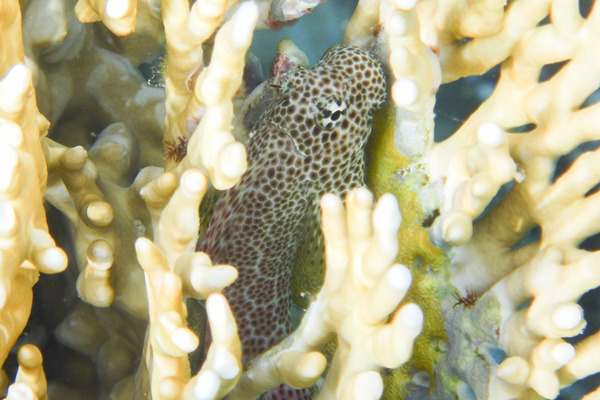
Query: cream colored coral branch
{"points": [[77, 195], [362, 288], [26, 248], [207, 110], [493, 31], [222, 368], [170, 340], [176, 220], [585, 362], [415, 70], [30, 382], [550, 108], [186, 30], [360, 28], [474, 175], [118, 15], [173, 269]]}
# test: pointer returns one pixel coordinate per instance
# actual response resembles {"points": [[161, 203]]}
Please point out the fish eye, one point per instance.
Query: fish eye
{"points": [[330, 113]]}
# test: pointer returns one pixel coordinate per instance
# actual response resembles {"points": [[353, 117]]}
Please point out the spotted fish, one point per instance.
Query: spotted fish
{"points": [[308, 141]]}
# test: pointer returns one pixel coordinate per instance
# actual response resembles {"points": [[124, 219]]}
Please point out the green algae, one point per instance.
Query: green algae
{"points": [[387, 173]]}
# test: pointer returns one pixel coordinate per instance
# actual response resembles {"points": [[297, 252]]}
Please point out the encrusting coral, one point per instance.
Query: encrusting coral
{"points": [[510, 199]]}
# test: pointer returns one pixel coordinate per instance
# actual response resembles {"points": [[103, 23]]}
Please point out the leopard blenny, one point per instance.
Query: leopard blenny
{"points": [[309, 141]]}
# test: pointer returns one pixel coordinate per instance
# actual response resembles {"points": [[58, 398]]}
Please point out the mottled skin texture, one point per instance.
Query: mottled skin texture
{"points": [[308, 142]]}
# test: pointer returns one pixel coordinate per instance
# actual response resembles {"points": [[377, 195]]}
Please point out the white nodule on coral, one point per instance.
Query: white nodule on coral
{"points": [[100, 213], [367, 385], [8, 218], [20, 391], [100, 254], [405, 92], [54, 260], [405, 4], [206, 386], [143, 245], [185, 339], [221, 276], [567, 316], [563, 353], [490, 134], [399, 277], [217, 310], [225, 365], [244, 21], [411, 315], [330, 201], [311, 366], [386, 216], [194, 181], [513, 370], [457, 229], [11, 134], [396, 24], [232, 160], [117, 8], [482, 187], [9, 160], [364, 196], [14, 86]]}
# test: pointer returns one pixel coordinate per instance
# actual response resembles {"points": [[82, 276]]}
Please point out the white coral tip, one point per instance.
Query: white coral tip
{"points": [[206, 386], [232, 160], [116, 8], [405, 92], [405, 4], [244, 21], [8, 218], [11, 134], [412, 316], [490, 134], [399, 277], [194, 181], [567, 316], [9, 160], [54, 260], [185, 339], [20, 391], [386, 216], [396, 24], [17, 80], [217, 309], [226, 365], [312, 365], [457, 229], [368, 385], [563, 353], [513, 370]]}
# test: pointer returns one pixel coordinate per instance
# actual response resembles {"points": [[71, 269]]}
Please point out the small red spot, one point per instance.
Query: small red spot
{"points": [[377, 29]]}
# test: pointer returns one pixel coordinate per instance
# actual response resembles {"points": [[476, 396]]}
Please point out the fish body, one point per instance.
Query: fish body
{"points": [[309, 141]]}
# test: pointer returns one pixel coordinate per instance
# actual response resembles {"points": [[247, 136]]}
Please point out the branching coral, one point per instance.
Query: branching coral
{"points": [[484, 154], [362, 287], [134, 217], [200, 99], [26, 248], [30, 382]]}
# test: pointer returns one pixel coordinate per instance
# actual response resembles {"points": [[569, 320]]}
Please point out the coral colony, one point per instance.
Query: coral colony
{"points": [[193, 233]]}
